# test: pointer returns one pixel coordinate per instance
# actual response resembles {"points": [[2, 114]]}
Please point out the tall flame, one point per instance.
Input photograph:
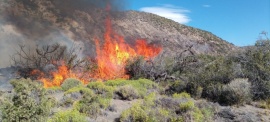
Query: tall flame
{"points": [[112, 56]]}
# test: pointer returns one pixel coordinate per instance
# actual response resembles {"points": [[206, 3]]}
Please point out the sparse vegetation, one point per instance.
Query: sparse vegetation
{"points": [[165, 109]]}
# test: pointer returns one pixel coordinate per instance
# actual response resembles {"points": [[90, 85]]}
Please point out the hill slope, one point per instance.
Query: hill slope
{"points": [[46, 20]]}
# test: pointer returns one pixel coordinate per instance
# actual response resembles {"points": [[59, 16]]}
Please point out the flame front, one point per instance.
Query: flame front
{"points": [[58, 76], [111, 59], [113, 55]]}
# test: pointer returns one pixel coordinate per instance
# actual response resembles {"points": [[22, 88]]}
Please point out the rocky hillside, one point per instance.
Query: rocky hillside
{"points": [[50, 20], [170, 34]]}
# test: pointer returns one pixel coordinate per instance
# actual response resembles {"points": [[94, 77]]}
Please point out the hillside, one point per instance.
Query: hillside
{"points": [[43, 21]]}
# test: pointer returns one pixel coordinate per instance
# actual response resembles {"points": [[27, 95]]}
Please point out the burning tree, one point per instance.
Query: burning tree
{"points": [[51, 64]]}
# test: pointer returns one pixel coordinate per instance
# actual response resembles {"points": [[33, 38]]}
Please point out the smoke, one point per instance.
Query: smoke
{"points": [[43, 22]]}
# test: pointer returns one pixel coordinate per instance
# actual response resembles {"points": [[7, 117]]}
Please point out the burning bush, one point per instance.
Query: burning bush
{"points": [[52, 64]]}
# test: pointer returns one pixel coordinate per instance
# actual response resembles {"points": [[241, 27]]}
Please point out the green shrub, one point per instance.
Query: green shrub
{"points": [[91, 109], [181, 95], [81, 90], [264, 104], [134, 114], [185, 106], [194, 89], [103, 102], [141, 85], [52, 90], [68, 116], [75, 94], [197, 115], [149, 100], [176, 87], [92, 105], [152, 109], [70, 83], [29, 102], [213, 92], [127, 92], [208, 114], [101, 89]]}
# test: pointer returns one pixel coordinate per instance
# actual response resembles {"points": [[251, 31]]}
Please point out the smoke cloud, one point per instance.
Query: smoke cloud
{"points": [[43, 22]]}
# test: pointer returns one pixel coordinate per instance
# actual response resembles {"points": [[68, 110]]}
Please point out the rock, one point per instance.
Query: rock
{"points": [[227, 114]]}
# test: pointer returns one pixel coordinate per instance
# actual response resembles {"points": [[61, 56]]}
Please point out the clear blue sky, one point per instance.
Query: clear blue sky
{"points": [[236, 21]]}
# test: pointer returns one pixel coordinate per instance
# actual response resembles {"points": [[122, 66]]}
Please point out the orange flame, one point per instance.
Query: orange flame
{"points": [[112, 57], [58, 76]]}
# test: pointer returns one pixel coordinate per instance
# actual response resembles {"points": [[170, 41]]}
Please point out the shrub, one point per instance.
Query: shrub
{"points": [[241, 89], [194, 89], [103, 102], [134, 114], [134, 68], [80, 89], [181, 95], [164, 109], [185, 106], [29, 102], [149, 100], [208, 113], [127, 92], [53, 90], [141, 85], [213, 92], [74, 94], [92, 109], [177, 86], [101, 89], [68, 116], [264, 104], [255, 66], [236, 92], [197, 115], [92, 105], [70, 83]]}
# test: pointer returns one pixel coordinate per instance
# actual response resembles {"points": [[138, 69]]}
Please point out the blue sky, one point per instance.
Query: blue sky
{"points": [[236, 21]]}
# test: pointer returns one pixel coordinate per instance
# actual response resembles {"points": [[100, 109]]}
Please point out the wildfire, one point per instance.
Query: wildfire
{"points": [[58, 76], [111, 57]]}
